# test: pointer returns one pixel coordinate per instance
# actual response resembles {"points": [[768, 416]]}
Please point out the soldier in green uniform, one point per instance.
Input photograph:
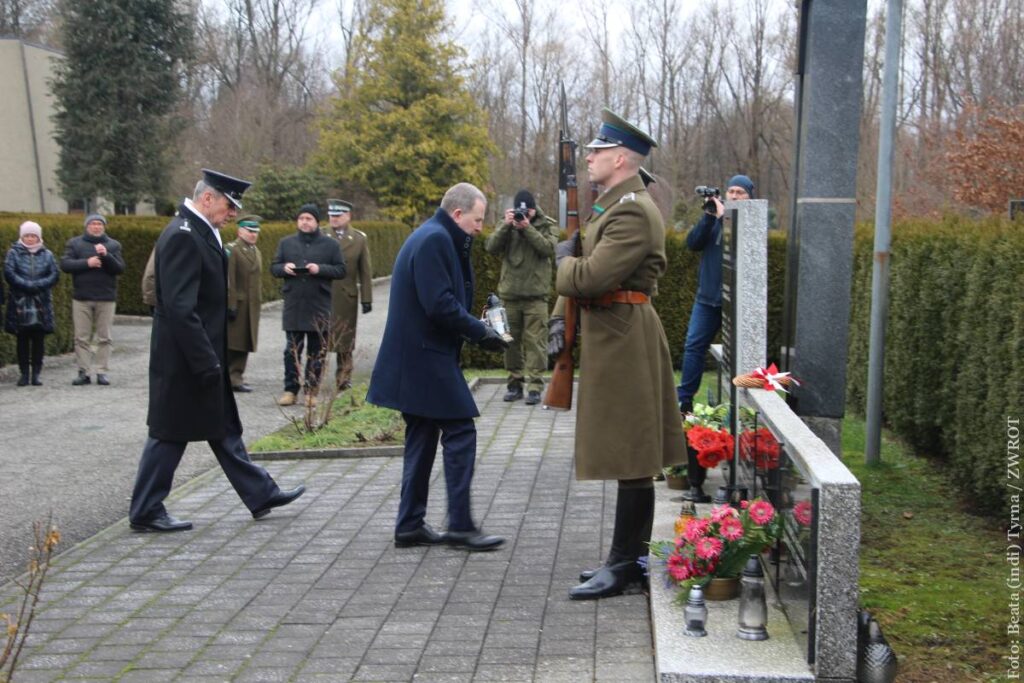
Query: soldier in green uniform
{"points": [[526, 243], [627, 421], [245, 266], [357, 284]]}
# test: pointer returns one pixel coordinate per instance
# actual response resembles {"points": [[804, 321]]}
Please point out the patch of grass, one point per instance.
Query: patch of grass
{"points": [[932, 573], [354, 423]]}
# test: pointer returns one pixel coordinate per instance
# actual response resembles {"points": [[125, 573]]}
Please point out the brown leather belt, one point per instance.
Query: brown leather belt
{"points": [[619, 296]]}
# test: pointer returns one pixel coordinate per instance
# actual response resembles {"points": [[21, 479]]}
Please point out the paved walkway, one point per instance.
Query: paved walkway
{"points": [[317, 592], [73, 451]]}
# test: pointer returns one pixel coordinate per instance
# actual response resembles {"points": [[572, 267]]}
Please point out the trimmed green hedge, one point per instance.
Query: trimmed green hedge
{"points": [[137, 235], [676, 292], [954, 366]]}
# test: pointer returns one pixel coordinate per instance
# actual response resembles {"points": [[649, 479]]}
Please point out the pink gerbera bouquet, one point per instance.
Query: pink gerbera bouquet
{"points": [[718, 544]]}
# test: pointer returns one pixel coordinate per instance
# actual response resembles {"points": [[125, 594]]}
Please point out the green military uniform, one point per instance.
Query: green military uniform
{"points": [[245, 266], [627, 421], [524, 286], [356, 285], [149, 281]]}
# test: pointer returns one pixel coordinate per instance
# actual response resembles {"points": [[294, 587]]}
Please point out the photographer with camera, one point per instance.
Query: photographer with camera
{"points": [[526, 243], [706, 316]]}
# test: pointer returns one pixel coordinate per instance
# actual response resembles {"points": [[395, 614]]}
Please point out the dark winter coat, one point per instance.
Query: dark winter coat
{"points": [[417, 369], [706, 237], [31, 278], [307, 298], [189, 334], [93, 284]]}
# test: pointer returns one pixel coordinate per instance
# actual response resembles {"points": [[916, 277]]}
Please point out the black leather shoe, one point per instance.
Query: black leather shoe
{"points": [[609, 580], [587, 575], [277, 500], [163, 524], [532, 398], [81, 380], [102, 380], [513, 394], [696, 494], [472, 540], [242, 389], [424, 535]]}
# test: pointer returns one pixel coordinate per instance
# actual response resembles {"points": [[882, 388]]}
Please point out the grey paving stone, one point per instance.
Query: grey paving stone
{"points": [[339, 667], [503, 672], [148, 675], [107, 670], [39, 675], [446, 664], [384, 672]]}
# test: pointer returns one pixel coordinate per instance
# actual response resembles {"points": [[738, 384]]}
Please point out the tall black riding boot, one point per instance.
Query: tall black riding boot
{"points": [[23, 380], [634, 517], [36, 369], [697, 475]]}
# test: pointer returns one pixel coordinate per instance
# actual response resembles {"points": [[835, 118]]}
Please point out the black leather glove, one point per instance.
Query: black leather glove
{"points": [[569, 247], [556, 335], [210, 377], [232, 313], [492, 341], [367, 307]]}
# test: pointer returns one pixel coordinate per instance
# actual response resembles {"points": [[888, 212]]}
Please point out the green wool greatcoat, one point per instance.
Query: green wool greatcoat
{"points": [[627, 419], [345, 296], [244, 294]]}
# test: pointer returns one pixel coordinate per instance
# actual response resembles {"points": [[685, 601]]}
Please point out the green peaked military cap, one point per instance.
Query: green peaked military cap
{"points": [[250, 222], [230, 187], [336, 207], [618, 132]]}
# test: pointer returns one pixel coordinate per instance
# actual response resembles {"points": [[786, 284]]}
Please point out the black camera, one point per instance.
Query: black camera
{"points": [[518, 215], [708, 192]]}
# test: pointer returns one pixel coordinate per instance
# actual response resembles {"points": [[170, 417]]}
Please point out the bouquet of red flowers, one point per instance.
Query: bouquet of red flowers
{"points": [[718, 545], [712, 445], [760, 447]]}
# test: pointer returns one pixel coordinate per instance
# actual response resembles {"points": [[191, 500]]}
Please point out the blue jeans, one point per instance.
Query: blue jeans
{"points": [[705, 321]]}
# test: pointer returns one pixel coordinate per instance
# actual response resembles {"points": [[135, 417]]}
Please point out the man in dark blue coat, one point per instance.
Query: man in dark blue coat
{"points": [[706, 316], [417, 370], [190, 396]]}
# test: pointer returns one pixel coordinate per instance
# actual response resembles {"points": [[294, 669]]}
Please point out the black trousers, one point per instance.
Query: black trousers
{"points": [[160, 459], [313, 343], [30, 348]]}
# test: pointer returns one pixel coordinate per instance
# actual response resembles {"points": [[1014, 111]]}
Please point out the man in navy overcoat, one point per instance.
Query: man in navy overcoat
{"points": [[417, 370]]}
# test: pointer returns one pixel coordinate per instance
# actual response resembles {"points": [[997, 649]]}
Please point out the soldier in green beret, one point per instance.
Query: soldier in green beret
{"points": [[627, 422], [245, 266]]}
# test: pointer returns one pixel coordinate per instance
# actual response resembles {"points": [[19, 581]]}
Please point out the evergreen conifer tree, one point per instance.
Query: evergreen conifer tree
{"points": [[116, 93], [404, 126]]}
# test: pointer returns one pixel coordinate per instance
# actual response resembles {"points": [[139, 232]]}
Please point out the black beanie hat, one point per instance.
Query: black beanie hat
{"points": [[311, 208], [524, 197]]}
